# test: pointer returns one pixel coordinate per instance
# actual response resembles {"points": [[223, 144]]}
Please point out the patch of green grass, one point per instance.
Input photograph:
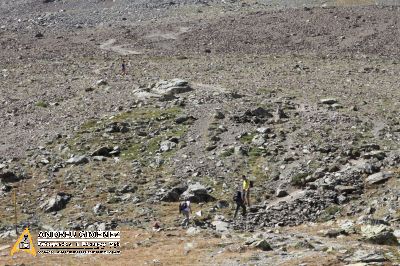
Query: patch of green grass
{"points": [[42, 104], [255, 152], [332, 210], [153, 145], [227, 152], [213, 126], [299, 179], [88, 125], [264, 91], [395, 254], [177, 131], [148, 113], [329, 213], [132, 152], [246, 139], [255, 164], [257, 169]]}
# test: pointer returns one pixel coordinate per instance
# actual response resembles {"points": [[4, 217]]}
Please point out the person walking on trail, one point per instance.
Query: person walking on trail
{"points": [[186, 210], [246, 190], [123, 67], [239, 203]]}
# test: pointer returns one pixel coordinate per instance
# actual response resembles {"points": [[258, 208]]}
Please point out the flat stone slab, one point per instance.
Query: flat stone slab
{"points": [[378, 178]]}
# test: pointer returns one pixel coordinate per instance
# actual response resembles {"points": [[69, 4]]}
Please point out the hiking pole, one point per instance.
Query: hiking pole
{"points": [[15, 212]]}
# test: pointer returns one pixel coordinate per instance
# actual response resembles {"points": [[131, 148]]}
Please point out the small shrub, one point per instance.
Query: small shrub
{"points": [[329, 213], [299, 179], [228, 152], [42, 104]]}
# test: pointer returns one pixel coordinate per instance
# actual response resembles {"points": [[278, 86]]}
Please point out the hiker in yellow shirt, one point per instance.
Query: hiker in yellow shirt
{"points": [[246, 190]]}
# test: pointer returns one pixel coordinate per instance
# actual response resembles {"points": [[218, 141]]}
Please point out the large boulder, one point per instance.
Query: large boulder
{"points": [[378, 178], [167, 145], [261, 244], [259, 112], [102, 151], [116, 127], [174, 194], [378, 234], [168, 88], [8, 177], [56, 203], [197, 193], [220, 226], [328, 101], [78, 160], [258, 140], [366, 256]]}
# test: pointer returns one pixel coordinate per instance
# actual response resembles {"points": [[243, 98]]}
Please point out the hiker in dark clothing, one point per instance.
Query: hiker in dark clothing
{"points": [[123, 67], [239, 203]]}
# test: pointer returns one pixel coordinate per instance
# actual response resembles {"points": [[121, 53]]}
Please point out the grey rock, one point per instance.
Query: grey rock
{"points": [[99, 209], [281, 192], [101, 82], [378, 178], [102, 151], [222, 204], [345, 189], [348, 227], [115, 151], [336, 106], [260, 112], [192, 231], [221, 226], [171, 87], [197, 193], [263, 130], [279, 114], [9, 177], [378, 234], [328, 101], [240, 150], [78, 160], [184, 118], [167, 145], [380, 155], [156, 162], [127, 189], [334, 232], [222, 128], [101, 227], [366, 256], [8, 234], [116, 127], [99, 158], [126, 197], [56, 203], [258, 140], [174, 194], [219, 115], [5, 188], [39, 35], [262, 244]]}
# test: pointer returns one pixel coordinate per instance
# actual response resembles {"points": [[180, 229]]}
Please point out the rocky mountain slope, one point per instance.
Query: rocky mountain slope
{"points": [[304, 97]]}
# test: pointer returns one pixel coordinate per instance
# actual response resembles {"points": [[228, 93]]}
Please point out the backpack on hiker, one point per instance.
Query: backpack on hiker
{"points": [[238, 196], [183, 206]]}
